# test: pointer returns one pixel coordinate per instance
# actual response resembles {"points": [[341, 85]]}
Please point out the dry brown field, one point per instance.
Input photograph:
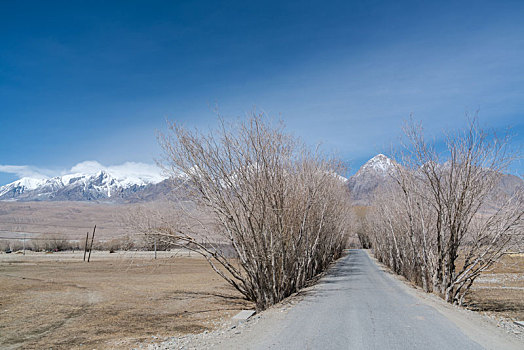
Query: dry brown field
{"points": [[58, 301], [500, 291]]}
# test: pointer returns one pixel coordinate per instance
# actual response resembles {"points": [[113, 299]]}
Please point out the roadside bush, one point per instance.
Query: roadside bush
{"points": [[282, 209], [446, 221]]}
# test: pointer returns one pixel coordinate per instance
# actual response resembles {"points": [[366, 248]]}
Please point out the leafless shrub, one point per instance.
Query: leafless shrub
{"points": [[59, 243], [266, 213], [434, 226], [11, 245], [160, 243], [123, 243]]}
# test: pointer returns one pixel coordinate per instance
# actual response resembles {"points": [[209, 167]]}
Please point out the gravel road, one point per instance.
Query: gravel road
{"points": [[360, 306]]}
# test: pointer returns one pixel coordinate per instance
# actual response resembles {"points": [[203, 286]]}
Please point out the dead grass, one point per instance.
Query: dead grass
{"points": [[500, 291], [58, 301]]}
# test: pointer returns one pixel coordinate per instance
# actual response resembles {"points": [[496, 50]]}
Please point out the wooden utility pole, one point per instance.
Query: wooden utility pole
{"points": [[85, 246], [91, 246], [155, 247]]}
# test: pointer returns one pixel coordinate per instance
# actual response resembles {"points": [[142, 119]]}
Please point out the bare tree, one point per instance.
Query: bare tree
{"points": [[266, 213], [445, 222]]}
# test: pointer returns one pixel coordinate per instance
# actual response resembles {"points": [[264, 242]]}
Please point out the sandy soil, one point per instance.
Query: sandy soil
{"points": [[116, 301]]}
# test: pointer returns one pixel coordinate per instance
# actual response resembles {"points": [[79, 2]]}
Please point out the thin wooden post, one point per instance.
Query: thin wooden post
{"points": [[155, 247], [85, 246], [24, 243], [91, 246]]}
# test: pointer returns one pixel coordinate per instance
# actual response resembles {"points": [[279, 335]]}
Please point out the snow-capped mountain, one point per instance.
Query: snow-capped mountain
{"points": [[378, 164], [377, 173], [101, 185], [132, 182], [369, 177], [20, 186]]}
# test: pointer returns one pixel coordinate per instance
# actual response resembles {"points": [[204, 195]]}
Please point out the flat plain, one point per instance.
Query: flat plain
{"points": [[116, 301], [69, 220]]}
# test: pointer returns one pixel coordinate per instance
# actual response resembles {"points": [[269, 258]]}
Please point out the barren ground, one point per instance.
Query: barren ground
{"points": [[500, 291], [69, 220], [56, 300]]}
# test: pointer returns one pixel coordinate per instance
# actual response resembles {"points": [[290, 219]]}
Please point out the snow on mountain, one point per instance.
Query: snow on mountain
{"points": [[341, 178], [379, 164], [87, 181], [127, 174], [376, 174], [369, 177], [21, 186], [29, 183]]}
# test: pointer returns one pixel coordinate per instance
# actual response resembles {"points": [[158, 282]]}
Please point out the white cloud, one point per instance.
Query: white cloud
{"points": [[135, 170], [87, 167], [26, 171]]}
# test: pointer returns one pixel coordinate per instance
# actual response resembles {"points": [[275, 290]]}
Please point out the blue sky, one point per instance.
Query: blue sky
{"points": [[93, 81]]}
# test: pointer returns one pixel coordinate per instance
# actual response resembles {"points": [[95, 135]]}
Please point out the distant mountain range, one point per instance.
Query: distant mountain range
{"points": [[105, 186], [376, 173], [101, 186]]}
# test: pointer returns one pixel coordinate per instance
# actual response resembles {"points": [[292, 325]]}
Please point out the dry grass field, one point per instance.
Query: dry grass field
{"points": [[58, 301], [500, 291]]}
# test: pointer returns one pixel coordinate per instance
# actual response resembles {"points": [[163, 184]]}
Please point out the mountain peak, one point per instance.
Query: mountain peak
{"points": [[21, 186], [369, 177], [379, 163], [29, 183]]}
